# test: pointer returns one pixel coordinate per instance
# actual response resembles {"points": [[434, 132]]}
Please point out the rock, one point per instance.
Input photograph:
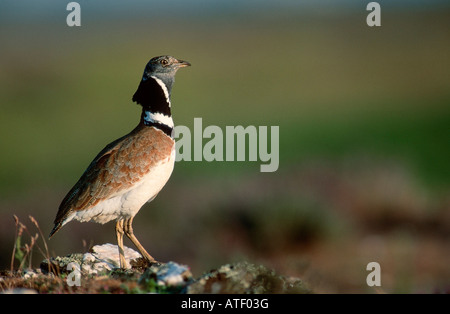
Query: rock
{"points": [[246, 278], [29, 273], [237, 278], [170, 277], [59, 264], [101, 258], [105, 258]]}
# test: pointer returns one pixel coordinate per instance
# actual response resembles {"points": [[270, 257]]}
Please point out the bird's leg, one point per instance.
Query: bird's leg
{"points": [[129, 233], [119, 234]]}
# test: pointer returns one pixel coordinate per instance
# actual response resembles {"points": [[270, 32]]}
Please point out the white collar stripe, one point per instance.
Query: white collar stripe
{"points": [[163, 86], [160, 118]]}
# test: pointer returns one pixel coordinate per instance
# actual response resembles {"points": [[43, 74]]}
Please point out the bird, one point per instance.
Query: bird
{"points": [[133, 169]]}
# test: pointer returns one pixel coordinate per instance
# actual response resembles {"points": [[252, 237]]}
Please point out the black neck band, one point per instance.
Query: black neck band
{"points": [[166, 129]]}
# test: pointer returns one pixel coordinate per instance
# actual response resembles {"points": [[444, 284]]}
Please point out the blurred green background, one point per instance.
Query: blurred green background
{"points": [[364, 122]]}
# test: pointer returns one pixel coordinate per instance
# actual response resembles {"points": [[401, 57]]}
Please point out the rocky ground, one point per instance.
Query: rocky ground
{"points": [[97, 271]]}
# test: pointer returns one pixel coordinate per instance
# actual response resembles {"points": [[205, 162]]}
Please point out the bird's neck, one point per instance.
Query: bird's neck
{"points": [[158, 120], [154, 97]]}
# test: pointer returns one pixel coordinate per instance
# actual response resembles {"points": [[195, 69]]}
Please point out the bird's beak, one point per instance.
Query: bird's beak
{"points": [[182, 64]]}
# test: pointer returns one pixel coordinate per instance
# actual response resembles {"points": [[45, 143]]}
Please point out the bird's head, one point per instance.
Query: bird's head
{"points": [[164, 68], [156, 85]]}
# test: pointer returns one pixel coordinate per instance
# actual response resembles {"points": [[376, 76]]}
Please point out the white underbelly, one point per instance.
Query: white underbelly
{"points": [[127, 204]]}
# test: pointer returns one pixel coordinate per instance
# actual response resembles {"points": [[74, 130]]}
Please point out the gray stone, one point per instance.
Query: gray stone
{"points": [[169, 277], [101, 258], [246, 278]]}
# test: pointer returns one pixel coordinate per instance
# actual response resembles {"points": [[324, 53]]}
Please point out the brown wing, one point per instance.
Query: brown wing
{"points": [[115, 170]]}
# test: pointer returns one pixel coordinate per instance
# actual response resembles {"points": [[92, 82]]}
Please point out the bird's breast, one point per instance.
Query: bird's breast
{"points": [[150, 185], [140, 169]]}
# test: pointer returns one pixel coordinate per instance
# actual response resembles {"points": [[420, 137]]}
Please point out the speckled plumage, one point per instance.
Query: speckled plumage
{"points": [[116, 171]]}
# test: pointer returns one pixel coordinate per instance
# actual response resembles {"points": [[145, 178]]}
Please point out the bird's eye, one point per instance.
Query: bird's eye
{"points": [[164, 62]]}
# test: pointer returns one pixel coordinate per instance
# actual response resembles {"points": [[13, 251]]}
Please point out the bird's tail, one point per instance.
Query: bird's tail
{"points": [[55, 229]]}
